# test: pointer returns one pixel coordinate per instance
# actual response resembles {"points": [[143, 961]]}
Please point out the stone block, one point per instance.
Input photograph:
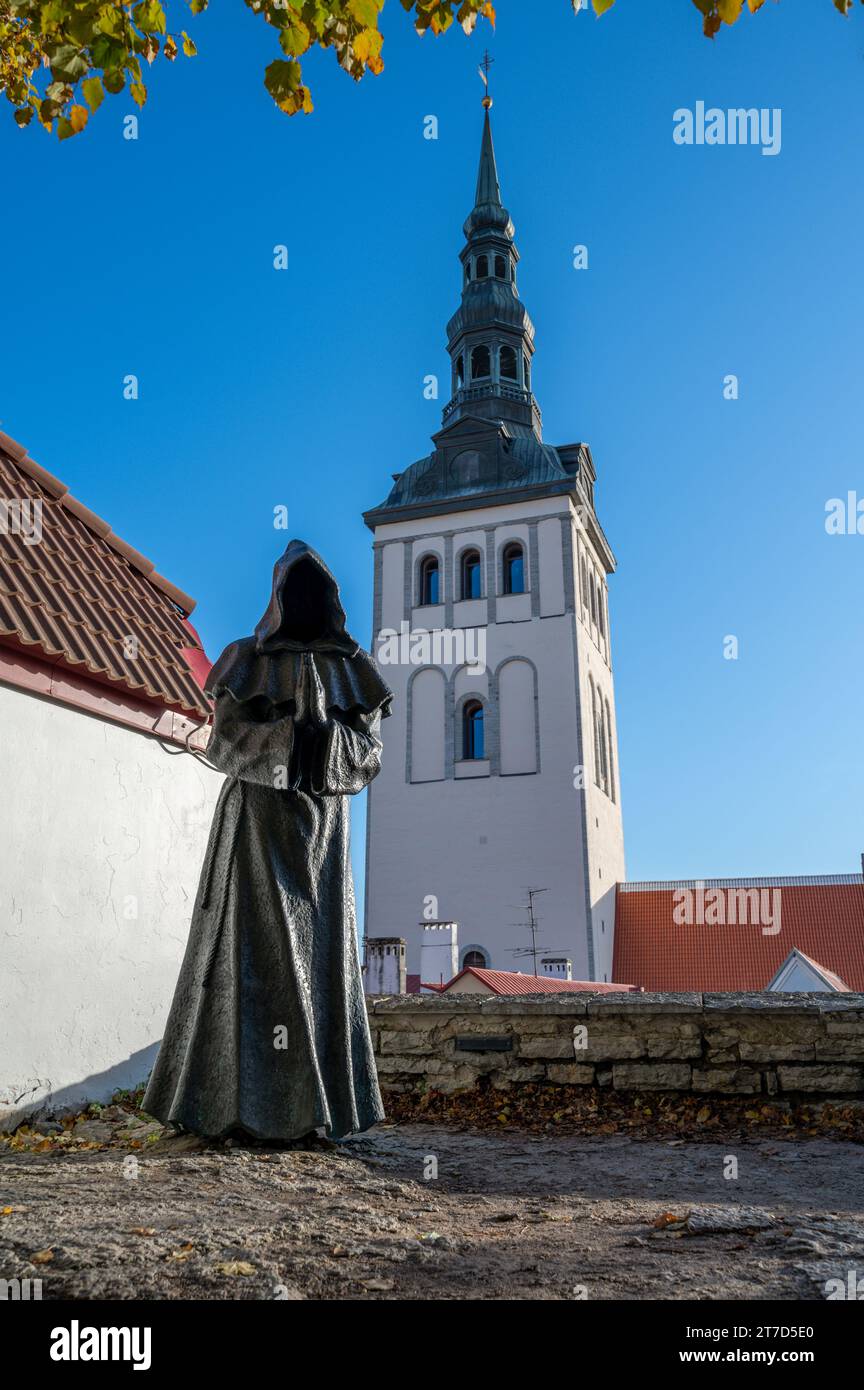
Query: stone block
{"points": [[780, 1051], [651, 1076], [836, 1049], [570, 1074], [401, 1041], [732, 1081], [836, 1080], [410, 1065], [546, 1045]]}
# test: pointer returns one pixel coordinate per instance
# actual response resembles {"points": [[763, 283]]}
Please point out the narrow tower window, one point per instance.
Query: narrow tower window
{"points": [[514, 568], [472, 730], [429, 581], [470, 586], [508, 366], [500, 268], [482, 267], [611, 755], [467, 270], [480, 364], [526, 370], [460, 372]]}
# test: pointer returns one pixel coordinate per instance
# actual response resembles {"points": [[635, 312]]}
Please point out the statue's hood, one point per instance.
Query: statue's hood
{"points": [[305, 614], [305, 610]]}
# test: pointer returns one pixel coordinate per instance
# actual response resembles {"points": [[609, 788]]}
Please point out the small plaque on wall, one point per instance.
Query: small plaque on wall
{"points": [[478, 1042]]}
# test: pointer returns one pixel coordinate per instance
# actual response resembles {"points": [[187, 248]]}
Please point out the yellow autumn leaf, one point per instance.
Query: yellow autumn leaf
{"points": [[183, 1253], [232, 1267], [367, 45], [42, 1257]]}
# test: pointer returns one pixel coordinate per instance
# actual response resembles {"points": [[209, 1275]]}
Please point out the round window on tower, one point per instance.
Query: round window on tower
{"points": [[465, 468]]}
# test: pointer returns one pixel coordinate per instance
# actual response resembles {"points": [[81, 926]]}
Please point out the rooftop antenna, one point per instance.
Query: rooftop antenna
{"points": [[532, 927], [484, 76]]}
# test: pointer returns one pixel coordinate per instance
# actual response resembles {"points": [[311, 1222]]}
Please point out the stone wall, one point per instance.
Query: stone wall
{"points": [[727, 1044]]}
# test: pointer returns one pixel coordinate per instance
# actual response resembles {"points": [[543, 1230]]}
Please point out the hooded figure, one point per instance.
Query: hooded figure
{"points": [[268, 1031]]}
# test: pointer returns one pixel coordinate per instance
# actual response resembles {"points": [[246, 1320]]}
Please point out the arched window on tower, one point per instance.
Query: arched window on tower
{"points": [[478, 959], [500, 268], [430, 581], [604, 748], [526, 371], [592, 590], [473, 742], [508, 368], [611, 756], [600, 619], [482, 267], [514, 568], [471, 574], [467, 271], [460, 372], [584, 574], [480, 363], [595, 729]]}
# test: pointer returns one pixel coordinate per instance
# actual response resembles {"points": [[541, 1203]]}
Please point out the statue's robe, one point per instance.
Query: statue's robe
{"points": [[268, 1031]]}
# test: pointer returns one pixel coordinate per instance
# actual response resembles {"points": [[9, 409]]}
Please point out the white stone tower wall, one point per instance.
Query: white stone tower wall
{"points": [[473, 844]]}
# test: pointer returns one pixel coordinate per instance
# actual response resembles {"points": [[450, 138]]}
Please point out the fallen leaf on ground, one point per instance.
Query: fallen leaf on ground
{"points": [[235, 1267], [42, 1257], [668, 1219]]}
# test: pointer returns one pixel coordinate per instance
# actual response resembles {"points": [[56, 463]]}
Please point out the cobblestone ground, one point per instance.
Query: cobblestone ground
{"points": [[509, 1215]]}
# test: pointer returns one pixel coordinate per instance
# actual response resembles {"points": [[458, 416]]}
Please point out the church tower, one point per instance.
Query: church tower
{"points": [[491, 625]]}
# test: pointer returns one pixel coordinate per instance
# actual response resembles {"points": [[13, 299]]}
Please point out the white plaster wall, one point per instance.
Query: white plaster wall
{"points": [[603, 821], [392, 585], [551, 567], [102, 835], [517, 717], [428, 728]]}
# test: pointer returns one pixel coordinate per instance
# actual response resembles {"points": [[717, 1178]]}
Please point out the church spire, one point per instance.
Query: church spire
{"points": [[490, 338], [488, 188]]}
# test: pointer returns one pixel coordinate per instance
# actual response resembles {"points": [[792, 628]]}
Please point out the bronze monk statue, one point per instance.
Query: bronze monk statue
{"points": [[268, 1033]]}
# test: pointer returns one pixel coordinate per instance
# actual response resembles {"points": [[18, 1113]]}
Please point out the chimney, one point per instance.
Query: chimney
{"points": [[384, 966], [557, 967], [439, 953]]}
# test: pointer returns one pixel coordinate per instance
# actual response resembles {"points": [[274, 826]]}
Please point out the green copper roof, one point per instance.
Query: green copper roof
{"points": [[488, 188]]}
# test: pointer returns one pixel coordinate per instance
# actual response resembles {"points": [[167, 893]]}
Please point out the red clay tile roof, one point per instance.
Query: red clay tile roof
{"points": [[83, 598], [821, 916], [511, 982]]}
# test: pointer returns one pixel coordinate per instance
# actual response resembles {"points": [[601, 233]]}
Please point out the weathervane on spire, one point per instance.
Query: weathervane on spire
{"points": [[484, 76]]}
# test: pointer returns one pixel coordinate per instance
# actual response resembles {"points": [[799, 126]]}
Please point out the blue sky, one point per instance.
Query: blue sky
{"points": [[304, 387]]}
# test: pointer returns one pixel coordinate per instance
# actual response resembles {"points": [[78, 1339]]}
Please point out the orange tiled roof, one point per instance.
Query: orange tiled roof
{"points": [[511, 982], [822, 916], [77, 596]]}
